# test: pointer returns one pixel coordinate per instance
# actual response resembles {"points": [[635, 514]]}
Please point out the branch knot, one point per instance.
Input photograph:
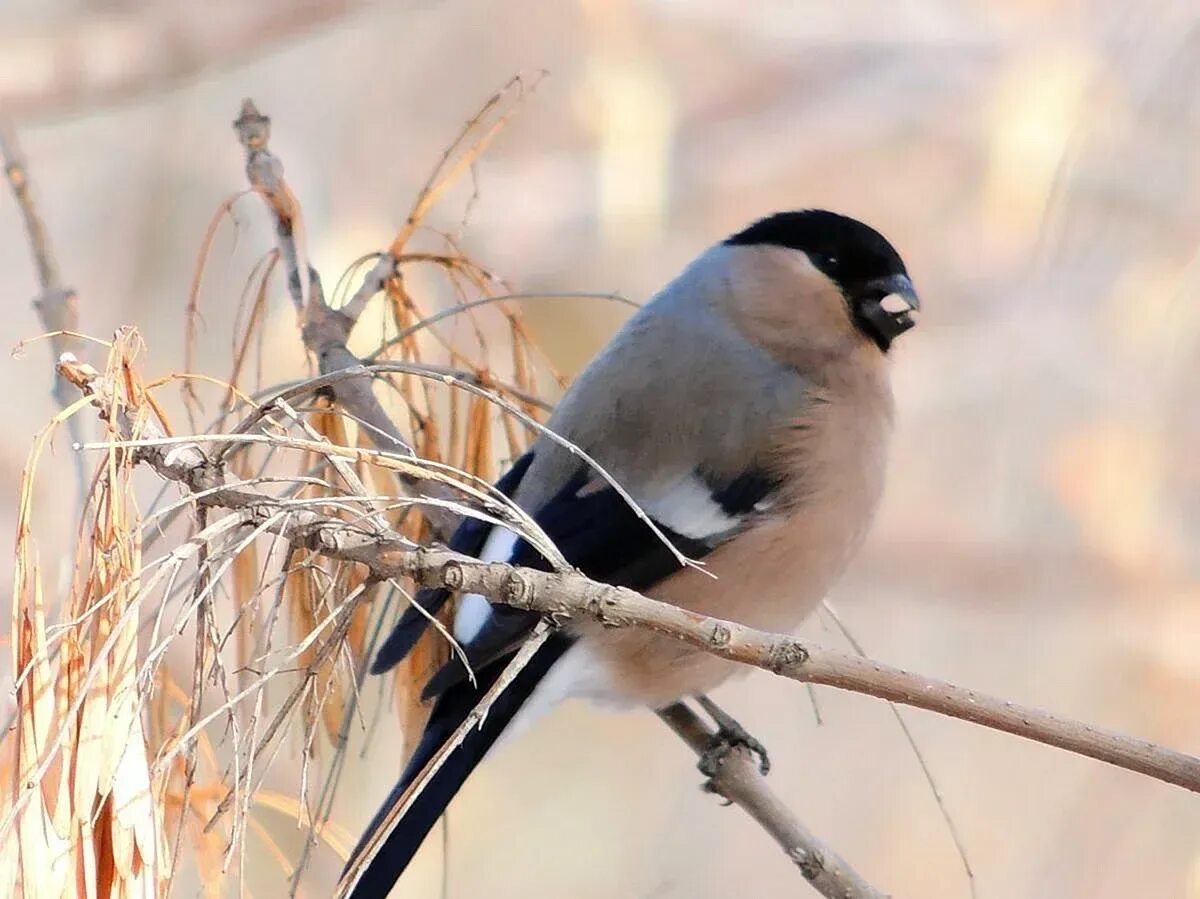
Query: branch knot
{"points": [[810, 862], [604, 604], [253, 128], [516, 590], [452, 575], [785, 654]]}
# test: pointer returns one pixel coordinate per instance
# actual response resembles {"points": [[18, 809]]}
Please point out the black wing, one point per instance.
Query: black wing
{"points": [[598, 532], [468, 539]]}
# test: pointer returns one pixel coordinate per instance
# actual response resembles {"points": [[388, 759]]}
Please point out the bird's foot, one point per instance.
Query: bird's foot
{"points": [[730, 734], [724, 741]]}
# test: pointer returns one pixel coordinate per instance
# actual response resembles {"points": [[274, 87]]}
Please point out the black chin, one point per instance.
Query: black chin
{"points": [[881, 326]]}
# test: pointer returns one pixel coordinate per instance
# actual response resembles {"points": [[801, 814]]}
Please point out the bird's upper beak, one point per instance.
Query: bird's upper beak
{"points": [[888, 307]]}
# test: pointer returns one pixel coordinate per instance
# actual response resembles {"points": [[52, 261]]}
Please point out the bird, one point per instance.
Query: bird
{"points": [[746, 410]]}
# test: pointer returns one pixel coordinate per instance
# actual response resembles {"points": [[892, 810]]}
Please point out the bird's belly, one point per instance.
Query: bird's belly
{"points": [[769, 579]]}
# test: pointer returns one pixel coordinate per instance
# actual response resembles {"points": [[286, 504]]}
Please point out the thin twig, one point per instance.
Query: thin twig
{"points": [[739, 780], [43, 257], [202, 598], [450, 311], [57, 306], [951, 826], [333, 378], [373, 282]]}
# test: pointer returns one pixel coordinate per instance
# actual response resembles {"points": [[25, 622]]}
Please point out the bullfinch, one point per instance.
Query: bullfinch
{"points": [[746, 409]]}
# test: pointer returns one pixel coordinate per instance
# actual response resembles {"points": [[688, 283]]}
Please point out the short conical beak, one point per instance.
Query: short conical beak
{"points": [[888, 307]]}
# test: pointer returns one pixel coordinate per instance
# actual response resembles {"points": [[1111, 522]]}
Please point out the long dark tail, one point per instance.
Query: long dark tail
{"points": [[448, 713]]}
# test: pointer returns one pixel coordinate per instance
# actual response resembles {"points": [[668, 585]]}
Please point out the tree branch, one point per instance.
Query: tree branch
{"points": [[57, 306], [325, 329], [564, 595], [739, 780]]}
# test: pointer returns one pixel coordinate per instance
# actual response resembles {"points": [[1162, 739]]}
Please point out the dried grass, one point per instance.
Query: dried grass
{"points": [[82, 807], [128, 769]]}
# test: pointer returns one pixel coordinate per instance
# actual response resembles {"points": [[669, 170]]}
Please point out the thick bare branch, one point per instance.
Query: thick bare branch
{"points": [[326, 329], [564, 595], [739, 780]]}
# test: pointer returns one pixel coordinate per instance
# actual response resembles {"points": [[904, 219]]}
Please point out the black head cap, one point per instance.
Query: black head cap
{"points": [[854, 256]]}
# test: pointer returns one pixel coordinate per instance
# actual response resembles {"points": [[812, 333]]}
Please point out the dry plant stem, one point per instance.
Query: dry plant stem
{"points": [[57, 306], [564, 595], [739, 780], [451, 311], [203, 600], [327, 647], [325, 330]]}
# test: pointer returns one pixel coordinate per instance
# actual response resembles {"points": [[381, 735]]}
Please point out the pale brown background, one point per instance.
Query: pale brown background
{"points": [[1036, 162]]}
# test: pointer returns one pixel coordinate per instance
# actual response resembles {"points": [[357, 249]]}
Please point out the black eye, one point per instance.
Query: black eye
{"points": [[826, 261]]}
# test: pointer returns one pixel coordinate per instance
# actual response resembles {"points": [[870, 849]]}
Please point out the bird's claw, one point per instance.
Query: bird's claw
{"points": [[729, 736]]}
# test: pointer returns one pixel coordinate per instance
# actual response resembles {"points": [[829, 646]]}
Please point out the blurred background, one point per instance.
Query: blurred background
{"points": [[1035, 162]]}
